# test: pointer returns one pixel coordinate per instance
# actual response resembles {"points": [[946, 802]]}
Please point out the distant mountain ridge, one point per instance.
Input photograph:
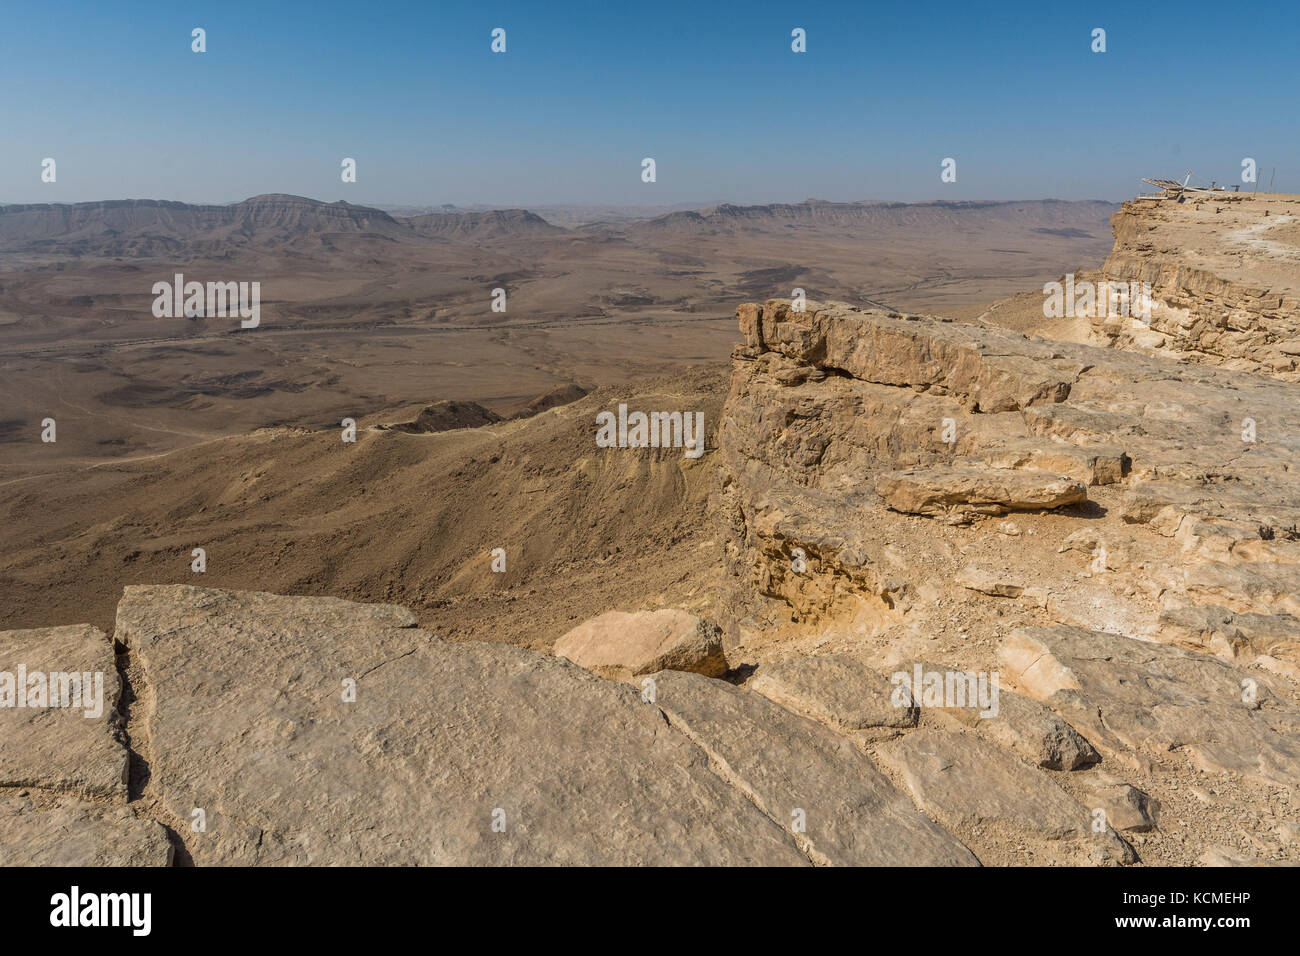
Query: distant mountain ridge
{"points": [[930, 214], [474, 225], [141, 227], [135, 226]]}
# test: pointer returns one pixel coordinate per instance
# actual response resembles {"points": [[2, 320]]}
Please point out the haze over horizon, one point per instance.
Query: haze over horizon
{"points": [[565, 116]]}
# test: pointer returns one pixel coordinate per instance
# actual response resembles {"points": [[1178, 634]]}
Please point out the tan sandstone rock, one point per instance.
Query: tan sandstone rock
{"points": [[75, 834], [617, 645], [62, 748], [940, 490], [805, 777], [1032, 730], [449, 753], [1126, 807], [836, 689]]}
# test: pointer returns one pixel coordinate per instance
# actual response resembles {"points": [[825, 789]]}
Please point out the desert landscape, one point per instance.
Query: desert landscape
{"points": [[317, 637], [606, 436]]}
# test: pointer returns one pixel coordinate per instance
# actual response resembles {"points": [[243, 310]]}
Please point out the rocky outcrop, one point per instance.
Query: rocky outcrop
{"points": [[282, 730], [446, 416], [1097, 527], [841, 419], [1224, 272], [1135, 698], [619, 646]]}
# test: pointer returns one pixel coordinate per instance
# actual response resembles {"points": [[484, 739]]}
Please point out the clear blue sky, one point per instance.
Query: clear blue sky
{"points": [[712, 91]]}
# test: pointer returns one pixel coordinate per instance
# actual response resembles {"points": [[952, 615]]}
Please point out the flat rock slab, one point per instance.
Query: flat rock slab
{"points": [[1126, 807], [450, 754], [803, 774], [1032, 730], [1022, 725], [79, 835], [967, 783], [1227, 634], [618, 645], [940, 490], [1129, 696], [838, 690], [76, 748], [1262, 587], [1227, 856]]}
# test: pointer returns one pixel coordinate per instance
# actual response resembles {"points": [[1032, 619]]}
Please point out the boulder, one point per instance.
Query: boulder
{"points": [[941, 490], [1126, 807], [1033, 731], [618, 646]]}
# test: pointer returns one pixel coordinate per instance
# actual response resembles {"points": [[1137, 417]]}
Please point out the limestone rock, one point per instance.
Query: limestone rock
{"points": [[1129, 696], [1127, 808], [966, 783], [1247, 587], [940, 490], [797, 770], [838, 690], [442, 741], [74, 834], [989, 582], [1032, 730], [1228, 634], [1112, 552], [1224, 287], [62, 748], [1013, 721], [617, 645]]}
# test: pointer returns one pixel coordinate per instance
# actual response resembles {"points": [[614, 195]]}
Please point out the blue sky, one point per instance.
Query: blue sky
{"points": [[712, 91]]}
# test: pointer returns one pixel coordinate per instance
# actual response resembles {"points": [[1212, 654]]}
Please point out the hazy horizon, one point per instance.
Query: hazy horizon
{"points": [[582, 94], [626, 207]]}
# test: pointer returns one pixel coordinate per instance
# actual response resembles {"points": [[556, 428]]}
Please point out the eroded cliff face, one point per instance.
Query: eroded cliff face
{"points": [[1115, 536], [1225, 280], [883, 473]]}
